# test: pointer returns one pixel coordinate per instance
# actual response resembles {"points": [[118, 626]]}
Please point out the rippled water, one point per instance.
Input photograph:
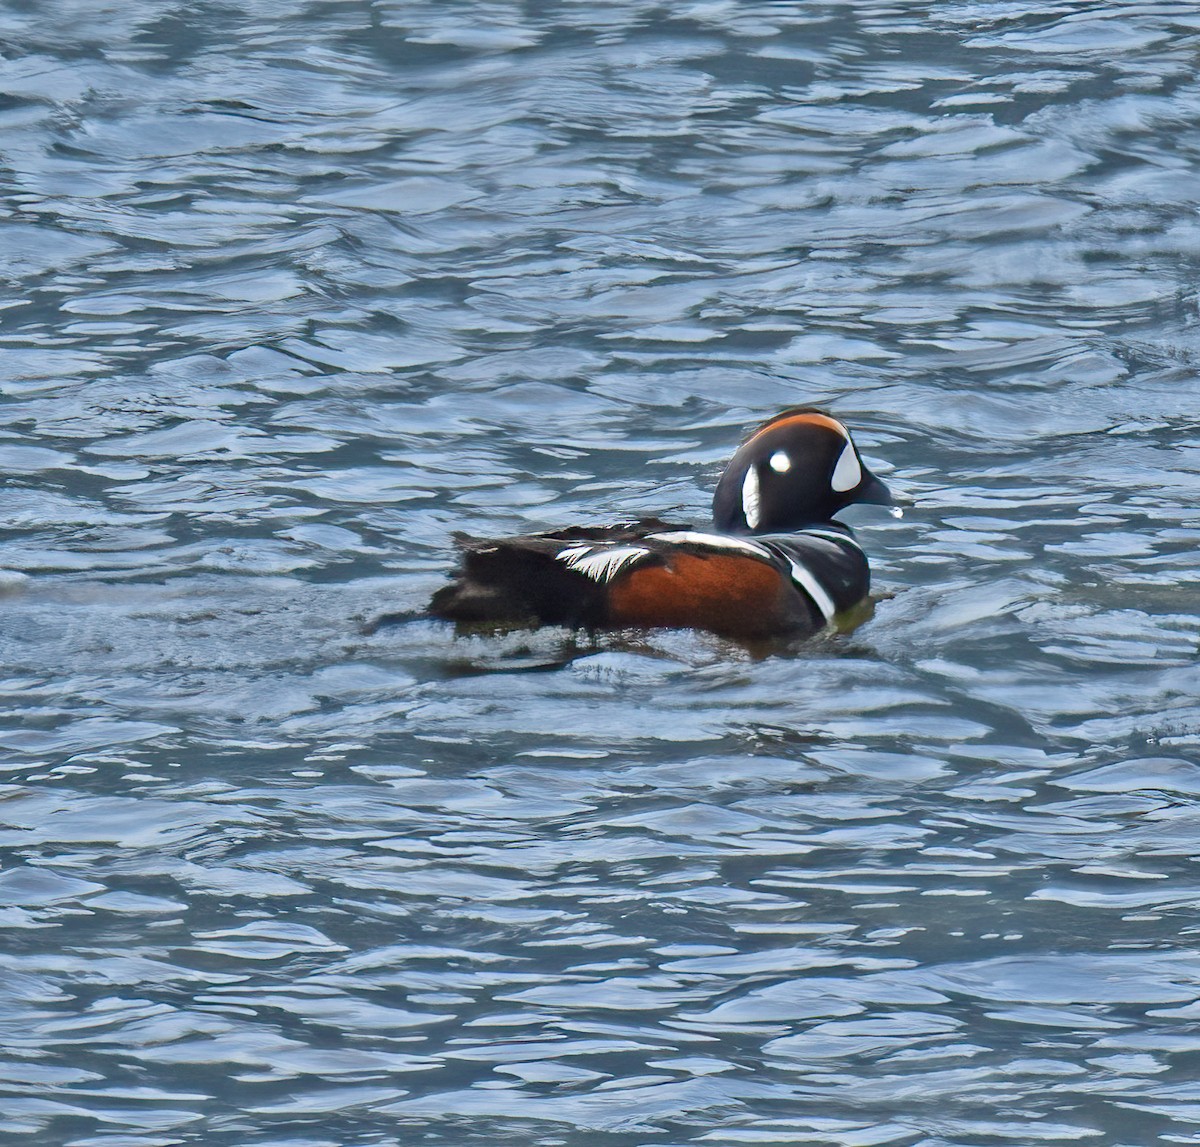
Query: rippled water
{"points": [[294, 290]]}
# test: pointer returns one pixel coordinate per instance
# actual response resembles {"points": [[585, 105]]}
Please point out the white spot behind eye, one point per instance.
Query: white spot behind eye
{"points": [[847, 473], [750, 498], [780, 462]]}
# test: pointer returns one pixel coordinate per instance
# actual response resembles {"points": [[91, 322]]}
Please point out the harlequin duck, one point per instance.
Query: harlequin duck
{"points": [[774, 564]]}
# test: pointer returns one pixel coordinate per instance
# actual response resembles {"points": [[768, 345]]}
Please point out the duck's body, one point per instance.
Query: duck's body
{"points": [[776, 564], [652, 574]]}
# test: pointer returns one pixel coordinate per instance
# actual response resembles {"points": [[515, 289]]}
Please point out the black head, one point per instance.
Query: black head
{"points": [[800, 468]]}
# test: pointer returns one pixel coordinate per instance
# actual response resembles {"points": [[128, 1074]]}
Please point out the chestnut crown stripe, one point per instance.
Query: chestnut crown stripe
{"points": [[807, 418]]}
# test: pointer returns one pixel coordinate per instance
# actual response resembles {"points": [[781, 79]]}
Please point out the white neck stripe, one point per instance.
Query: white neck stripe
{"points": [[806, 580]]}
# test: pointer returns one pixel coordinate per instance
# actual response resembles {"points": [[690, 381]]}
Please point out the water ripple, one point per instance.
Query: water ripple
{"points": [[297, 292]]}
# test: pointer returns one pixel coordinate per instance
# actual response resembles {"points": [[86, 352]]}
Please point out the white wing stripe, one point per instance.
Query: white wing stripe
{"points": [[600, 563], [712, 542]]}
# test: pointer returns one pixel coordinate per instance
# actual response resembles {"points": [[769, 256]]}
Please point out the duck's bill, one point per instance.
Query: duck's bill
{"points": [[875, 493]]}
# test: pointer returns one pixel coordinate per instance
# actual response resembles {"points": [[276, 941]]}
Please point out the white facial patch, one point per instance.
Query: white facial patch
{"points": [[847, 473], [780, 462], [750, 498]]}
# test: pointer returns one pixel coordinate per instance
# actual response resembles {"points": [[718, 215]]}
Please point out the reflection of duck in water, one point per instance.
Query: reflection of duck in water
{"points": [[775, 564]]}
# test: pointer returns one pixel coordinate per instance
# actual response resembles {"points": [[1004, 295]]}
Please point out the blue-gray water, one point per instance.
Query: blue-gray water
{"points": [[294, 290]]}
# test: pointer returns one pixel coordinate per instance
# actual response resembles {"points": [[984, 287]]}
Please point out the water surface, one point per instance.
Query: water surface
{"points": [[295, 290]]}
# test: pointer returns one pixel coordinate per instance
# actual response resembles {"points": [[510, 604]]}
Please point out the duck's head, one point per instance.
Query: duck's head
{"points": [[799, 468]]}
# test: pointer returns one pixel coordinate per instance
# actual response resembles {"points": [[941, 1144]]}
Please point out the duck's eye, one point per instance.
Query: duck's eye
{"points": [[780, 462], [847, 473]]}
